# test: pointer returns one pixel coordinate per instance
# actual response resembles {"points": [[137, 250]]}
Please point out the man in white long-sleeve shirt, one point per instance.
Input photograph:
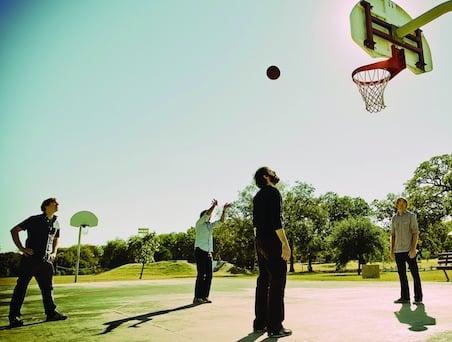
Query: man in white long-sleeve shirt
{"points": [[203, 252]]}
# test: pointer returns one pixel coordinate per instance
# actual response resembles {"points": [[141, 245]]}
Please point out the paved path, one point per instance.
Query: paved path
{"points": [[315, 311]]}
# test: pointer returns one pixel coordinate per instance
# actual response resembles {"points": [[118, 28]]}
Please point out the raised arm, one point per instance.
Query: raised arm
{"points": [[212, 207], [223, 214]]}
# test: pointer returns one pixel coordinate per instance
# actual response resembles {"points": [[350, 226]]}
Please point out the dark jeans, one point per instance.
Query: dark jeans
{"points": [[204, 277], [401, 260], [271, 282], [43, 273]]}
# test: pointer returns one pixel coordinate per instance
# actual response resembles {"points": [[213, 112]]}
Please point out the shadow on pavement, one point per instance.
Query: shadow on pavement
{"points": [[251, 337], [417, 319], [6, 327], [112, 325]]}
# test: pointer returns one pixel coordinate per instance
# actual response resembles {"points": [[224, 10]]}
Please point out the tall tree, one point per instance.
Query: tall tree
{"points": [[342, 207], [142, 249], [430, 197], [383, 210], [356, 239], [305, 220]]}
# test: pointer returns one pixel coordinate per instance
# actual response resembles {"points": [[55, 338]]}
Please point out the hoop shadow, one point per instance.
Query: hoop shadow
{"points": [[417, 319], [112, 325]]}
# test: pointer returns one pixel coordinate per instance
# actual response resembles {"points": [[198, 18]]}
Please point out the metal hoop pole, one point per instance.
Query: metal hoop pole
{"points": [[424, 19], [78, 253]]}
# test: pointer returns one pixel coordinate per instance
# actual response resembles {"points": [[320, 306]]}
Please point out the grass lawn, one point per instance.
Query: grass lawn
{"points": [[182, 269]]}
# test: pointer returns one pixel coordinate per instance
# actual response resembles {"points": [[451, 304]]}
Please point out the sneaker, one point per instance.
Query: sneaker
{"points": [[206, 300], [402, 301], [15, 322], [417, 301], [56, 316], [282, 333], [198, 301]]}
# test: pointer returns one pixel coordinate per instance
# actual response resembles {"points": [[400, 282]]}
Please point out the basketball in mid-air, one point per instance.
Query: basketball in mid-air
{"points": [[273, 72]]}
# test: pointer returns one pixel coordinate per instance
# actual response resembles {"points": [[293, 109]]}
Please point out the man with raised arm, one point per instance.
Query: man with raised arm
{"points": [[203, 252], [273, 251], [40, 250]]}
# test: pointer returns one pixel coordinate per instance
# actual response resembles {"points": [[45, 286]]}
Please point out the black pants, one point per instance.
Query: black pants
{"points": [[204, 277], [271, 282], [401, 260], [43, 273]]}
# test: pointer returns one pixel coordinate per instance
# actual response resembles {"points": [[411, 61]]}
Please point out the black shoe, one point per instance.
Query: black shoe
{"points": [[417, 302], [259, 330], [282, 333], [402, 301], [206, 300], [56, 316], [15, 322], [198, 301]]}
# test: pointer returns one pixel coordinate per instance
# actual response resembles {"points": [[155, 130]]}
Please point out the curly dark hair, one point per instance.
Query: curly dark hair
{"points": [[259, 177]]}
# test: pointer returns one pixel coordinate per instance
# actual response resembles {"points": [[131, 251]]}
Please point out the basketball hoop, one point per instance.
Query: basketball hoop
{"points": [[372, 79]]}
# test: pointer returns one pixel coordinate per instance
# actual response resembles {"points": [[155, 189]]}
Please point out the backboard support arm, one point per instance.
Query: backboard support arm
{"points": [[424, 19]]}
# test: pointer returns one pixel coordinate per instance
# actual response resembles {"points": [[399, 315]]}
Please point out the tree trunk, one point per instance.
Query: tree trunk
{"points": [[142, 269], [309, 262], [359, 266], [291, 269]]}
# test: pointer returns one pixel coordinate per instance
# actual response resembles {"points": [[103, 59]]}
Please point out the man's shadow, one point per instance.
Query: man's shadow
{"points": [[7, 327], [253, 336], [417, 319], [112, 325]]}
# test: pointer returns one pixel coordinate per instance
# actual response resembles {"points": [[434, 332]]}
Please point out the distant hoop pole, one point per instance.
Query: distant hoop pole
{"points": [[78, 253], [424, 19]]}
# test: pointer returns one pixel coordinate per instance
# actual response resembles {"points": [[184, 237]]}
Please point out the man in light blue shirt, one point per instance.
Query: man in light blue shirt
{"points": [[203, 252]]}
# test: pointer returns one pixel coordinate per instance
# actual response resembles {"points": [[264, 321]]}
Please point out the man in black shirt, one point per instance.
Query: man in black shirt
{"points": [[273, 251], [40, 250]]}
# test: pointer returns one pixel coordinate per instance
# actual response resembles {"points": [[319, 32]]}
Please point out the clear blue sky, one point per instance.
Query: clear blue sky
{"points": [[144, 111]]}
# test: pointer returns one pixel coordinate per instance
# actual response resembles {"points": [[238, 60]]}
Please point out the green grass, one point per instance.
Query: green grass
{"points": [[158, 270], [183, 269], [326, 272], [437, 276]]}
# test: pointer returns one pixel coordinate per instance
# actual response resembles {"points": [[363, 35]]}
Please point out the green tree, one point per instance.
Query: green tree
{"points": [[9, 264], [356, 239], [142, 249], [115, 254], [305, 220], [234, 242], [384, 210], [90, 257], [166, 246], [342, 207], [430, 197]]}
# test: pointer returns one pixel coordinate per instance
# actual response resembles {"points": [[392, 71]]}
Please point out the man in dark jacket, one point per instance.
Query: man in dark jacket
{"points": [[37, 256], [273, 251]]}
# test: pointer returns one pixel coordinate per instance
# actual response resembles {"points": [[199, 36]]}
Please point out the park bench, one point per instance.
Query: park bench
{"points": [[445, 262]]}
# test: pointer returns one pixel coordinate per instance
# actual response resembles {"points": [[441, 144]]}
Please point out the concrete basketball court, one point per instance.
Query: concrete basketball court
{"points": [[315, 311]]}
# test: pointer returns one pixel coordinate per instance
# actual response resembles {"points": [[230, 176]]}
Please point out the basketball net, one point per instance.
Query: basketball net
{"points": [[372, 79]]}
